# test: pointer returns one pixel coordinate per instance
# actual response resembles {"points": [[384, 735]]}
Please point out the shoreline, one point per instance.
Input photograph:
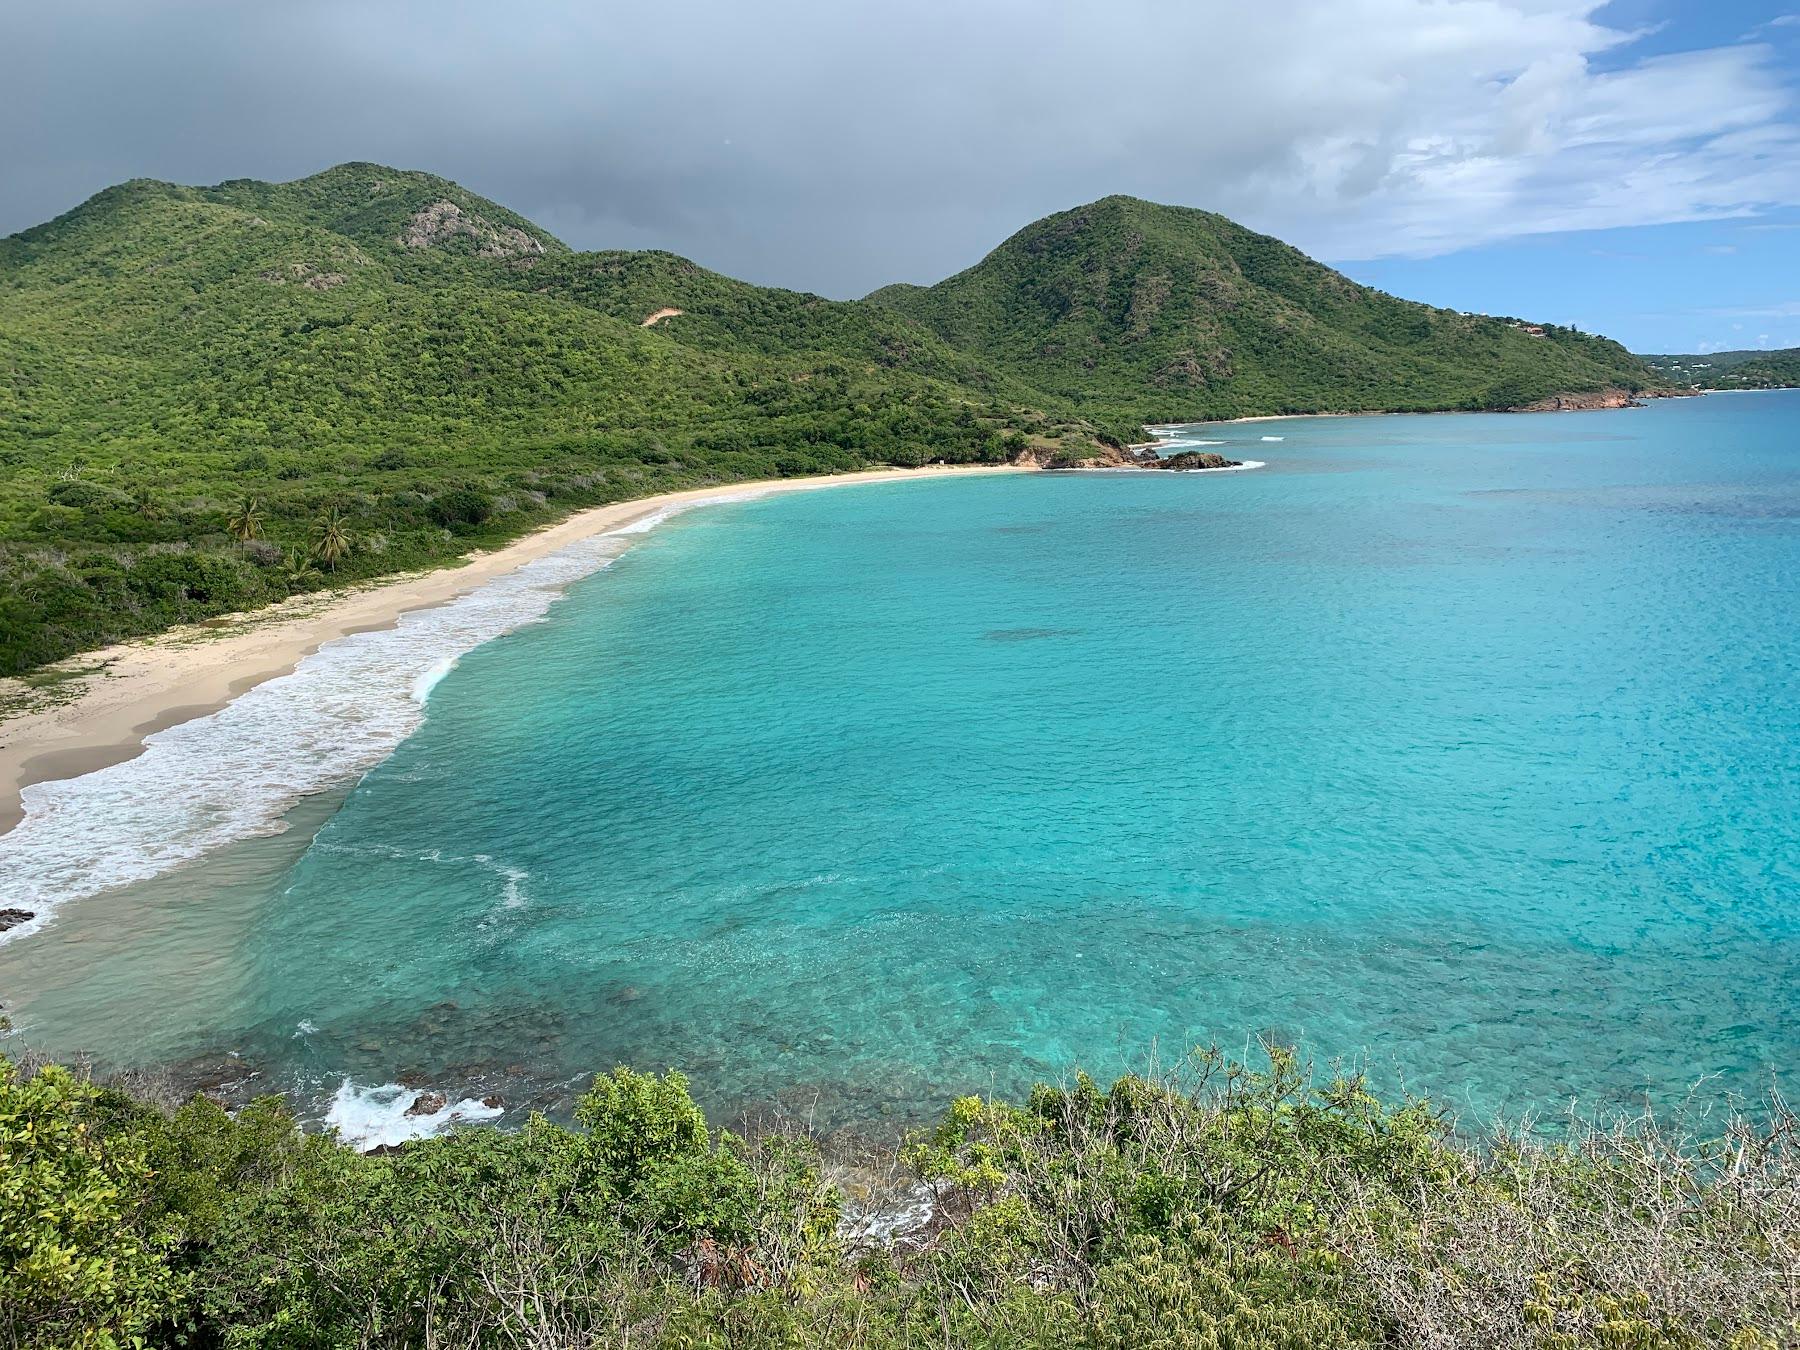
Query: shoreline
{"points": [[1433, 412], [132, 690]]}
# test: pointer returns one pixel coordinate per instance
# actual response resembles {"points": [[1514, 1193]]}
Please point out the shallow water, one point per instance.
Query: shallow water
{"points": [[1467, 748]]}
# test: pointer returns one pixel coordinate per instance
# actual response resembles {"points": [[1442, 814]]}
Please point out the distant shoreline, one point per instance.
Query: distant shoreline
{"points": [[134, 689], [1431, 412]]}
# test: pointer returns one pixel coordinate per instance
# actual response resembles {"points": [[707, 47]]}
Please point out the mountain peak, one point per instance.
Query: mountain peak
{"points": [[1173, 313]]}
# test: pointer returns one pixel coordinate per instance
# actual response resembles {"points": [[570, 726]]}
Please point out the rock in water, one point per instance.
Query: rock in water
{"points": [[1198, 459], [1113, 457], [12, 918], [428, 1104]]}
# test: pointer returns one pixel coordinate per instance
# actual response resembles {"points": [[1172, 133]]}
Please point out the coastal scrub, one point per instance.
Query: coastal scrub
{"points": [[1211, 1205]]}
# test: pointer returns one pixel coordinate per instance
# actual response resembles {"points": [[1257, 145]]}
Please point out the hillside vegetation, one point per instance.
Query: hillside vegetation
{"points": [[211, 398], [1731, 370], [1209, 1208], [1164, 313], [214, 398]]}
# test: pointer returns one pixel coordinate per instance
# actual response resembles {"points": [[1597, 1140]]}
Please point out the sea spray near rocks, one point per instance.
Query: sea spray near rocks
{"points": [[376, 1117]]}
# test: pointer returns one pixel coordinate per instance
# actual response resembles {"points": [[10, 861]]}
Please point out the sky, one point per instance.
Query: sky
{"points": [[1630, 167]]}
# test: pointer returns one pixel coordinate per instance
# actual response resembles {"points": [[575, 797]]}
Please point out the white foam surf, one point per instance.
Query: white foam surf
{"points": [[422, 687], [651, 521], [235, 773], [375, 1116], [862, 1227]]}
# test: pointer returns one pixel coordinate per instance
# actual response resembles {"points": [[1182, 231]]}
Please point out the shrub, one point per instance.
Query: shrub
{"points": [[462, 506], [1195, 1292], [79, 1266], [1207, 1206], [86, 496], [54, 520]]}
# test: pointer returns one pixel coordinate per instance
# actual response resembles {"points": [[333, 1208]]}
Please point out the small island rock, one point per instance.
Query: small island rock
{"points": [[1198, 459]]}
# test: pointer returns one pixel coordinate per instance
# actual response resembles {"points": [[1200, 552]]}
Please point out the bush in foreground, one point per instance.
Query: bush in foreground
{"points": [[1206, 1207]]}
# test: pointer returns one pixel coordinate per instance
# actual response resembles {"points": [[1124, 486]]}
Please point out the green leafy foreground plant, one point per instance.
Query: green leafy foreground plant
{"points": [[83, 1260], [1208, 1206]]}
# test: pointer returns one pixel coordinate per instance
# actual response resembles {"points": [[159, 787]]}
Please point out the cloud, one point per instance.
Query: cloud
{"points": [[1768, 26], [836, 146], [1788, 310]]}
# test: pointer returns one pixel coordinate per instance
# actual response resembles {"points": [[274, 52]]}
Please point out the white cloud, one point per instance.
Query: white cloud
{"points": [[838, 145], [1697, 136], [1787, 310]]}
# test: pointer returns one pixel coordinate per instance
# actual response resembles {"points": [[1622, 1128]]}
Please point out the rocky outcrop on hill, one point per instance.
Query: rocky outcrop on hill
{"points": [[444, 222]]}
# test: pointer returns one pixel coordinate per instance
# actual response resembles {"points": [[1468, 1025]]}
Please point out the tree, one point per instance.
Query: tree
{"points": [[332, 543], [246, 522], [299, 568]]}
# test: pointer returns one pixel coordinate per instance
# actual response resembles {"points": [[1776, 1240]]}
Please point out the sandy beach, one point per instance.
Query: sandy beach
{"points": [[132, 690]]}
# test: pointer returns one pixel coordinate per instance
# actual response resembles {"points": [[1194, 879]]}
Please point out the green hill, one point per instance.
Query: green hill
{"points": [[418, 365], [1731, 370], [211, 398], [1166, 313]]}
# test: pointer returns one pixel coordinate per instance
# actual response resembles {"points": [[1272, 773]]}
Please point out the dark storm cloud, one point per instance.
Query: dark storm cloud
{"points": [[837, 146]]}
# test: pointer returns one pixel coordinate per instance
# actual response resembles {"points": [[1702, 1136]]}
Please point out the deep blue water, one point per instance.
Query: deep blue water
{"points": [[1466, 748]]}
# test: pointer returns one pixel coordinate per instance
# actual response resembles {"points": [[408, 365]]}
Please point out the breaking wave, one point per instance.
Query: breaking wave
{"points": [[390, 1114]]}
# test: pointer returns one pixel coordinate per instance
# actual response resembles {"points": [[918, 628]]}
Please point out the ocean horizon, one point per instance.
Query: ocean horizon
{"points": [[1459, 749]]}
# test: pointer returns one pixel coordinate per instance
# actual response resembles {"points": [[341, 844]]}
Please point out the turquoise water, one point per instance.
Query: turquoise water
{"points": [[1466, 748]]}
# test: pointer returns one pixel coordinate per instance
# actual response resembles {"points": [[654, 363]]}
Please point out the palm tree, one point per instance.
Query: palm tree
{"points": [[246, 522], [333, 541], [300, 571]]}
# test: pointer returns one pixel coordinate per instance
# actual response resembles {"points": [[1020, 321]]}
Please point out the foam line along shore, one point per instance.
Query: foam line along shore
{"points": [[301, 695]]}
